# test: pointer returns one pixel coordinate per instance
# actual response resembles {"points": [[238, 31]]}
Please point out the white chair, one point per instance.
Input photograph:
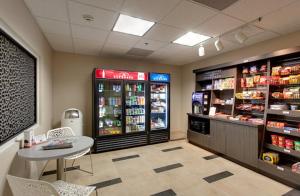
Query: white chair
{"points": [[28, 187], [68, 132]]}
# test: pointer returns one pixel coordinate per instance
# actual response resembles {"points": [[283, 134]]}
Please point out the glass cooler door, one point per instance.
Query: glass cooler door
{"points": [[135, 107], [159, 106], [110, 107]]}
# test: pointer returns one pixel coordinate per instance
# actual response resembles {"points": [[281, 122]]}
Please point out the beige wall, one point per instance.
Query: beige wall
{"points": [[17, 21], [188, 78], [72, 85]]}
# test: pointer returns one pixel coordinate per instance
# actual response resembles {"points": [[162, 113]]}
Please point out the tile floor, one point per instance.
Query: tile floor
{"points": [[167, 169]]}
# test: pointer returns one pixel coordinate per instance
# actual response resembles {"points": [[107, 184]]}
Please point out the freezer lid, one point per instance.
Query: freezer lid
{"points": [[159, 77]]}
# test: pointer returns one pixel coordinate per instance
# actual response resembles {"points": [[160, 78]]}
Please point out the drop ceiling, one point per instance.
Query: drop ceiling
{"points": [[63, 25]]}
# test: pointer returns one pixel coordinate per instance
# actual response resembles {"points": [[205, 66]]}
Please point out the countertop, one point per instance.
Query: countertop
{"points": [[245, 123]]}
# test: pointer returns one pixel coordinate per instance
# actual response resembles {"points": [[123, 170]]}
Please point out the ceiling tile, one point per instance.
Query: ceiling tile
{"points": [[218, 25], [151, 44], [248, 10], [260, 37], [188, 15], [114, 49], [60, 42], [88, 33], [164, 33], [284, 20], [103, 19], [54, 9], [83, 46], [107, 4], [54, 26], [122, 39], [153, 10]]}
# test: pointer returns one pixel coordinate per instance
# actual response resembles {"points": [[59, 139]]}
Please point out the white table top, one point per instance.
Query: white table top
{"points": [[36, 153]]}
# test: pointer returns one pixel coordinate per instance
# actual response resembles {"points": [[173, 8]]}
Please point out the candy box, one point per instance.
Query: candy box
{"points": [[271, 157]]}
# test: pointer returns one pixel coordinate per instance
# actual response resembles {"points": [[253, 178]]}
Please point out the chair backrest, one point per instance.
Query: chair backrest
{"points": [[28, 187], [60, 132]]}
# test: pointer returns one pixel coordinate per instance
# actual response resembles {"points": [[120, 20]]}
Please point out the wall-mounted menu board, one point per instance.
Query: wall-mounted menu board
{"points": [[17, 88]]}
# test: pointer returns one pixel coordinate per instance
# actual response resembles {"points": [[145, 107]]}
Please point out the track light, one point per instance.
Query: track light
{"points": [[201, 51], [241, 37], [219, 45]]}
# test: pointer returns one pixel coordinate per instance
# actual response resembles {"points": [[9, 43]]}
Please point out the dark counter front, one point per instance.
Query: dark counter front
{"points": [[236, 139]]}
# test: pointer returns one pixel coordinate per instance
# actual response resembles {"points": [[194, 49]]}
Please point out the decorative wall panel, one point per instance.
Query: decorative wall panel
{"points": [[17, 88]]}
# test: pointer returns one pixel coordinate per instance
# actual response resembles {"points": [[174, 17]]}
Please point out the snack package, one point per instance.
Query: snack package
{"points": [[249, 82], [274, 139], [286, 71], [276, 70], [289, 144], [271, 157], [281, 141], [253, 69], [263, 80], [256, 79], [263, 68], [243, 82], [245, 70]]}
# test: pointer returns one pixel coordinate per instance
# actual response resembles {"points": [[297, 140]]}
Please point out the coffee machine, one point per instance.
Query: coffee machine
{"points": [[200, 102]]}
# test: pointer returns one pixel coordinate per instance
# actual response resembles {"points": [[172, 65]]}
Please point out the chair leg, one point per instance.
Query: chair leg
{"points": [[73, 162], [91, 163], [65, 167], [96, 192], [42, 172]]}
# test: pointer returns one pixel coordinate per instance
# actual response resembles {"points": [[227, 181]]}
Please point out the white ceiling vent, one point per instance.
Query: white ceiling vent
{"points": [[216, 4], [139, 52]]}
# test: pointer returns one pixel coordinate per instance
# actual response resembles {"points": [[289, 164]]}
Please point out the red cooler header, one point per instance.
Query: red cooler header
{"points": [[125, 75]]}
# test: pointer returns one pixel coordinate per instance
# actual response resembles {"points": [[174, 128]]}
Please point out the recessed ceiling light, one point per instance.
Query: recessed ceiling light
{"points": [[131, 25], [191, 39]]}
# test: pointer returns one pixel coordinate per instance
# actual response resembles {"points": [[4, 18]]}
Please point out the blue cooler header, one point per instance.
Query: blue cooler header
{"points": [[159, 77]]}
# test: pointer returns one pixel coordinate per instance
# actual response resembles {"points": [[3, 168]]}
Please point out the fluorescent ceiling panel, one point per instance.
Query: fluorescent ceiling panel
{"points": [[191, 39], [131, 25]]}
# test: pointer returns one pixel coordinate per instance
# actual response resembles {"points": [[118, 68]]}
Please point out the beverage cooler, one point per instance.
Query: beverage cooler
{"points": [[120, 109], [159, 107]]}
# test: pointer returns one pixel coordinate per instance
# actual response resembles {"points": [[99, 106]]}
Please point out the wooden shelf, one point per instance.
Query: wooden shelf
{"points": [[280, 171], [281, 131], [289, 113], [222, 104], [293, 153], [223, 89]]}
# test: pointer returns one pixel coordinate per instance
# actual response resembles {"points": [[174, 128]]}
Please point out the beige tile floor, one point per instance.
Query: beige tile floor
{"points": [[138, 177]]}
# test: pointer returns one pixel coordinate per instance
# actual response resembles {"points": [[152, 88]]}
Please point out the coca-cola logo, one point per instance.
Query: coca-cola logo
{"points": [[111, 74], [123, 75]]}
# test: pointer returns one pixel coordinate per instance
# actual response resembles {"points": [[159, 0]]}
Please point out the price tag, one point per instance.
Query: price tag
{"points": [[285, 112], [287, 150], [280, 168], [287, 131]]}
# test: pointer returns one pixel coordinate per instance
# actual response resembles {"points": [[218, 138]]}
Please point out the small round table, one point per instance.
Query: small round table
{"points": [[36, 153]]}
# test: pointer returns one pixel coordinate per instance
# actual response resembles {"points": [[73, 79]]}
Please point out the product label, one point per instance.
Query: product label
{"points": [[287, 150], [286, 131], [285, 112], [114, 74], [280, 168]]}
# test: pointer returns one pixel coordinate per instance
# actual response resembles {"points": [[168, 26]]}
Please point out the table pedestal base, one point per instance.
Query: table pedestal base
{"points": [[60, 169]]}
